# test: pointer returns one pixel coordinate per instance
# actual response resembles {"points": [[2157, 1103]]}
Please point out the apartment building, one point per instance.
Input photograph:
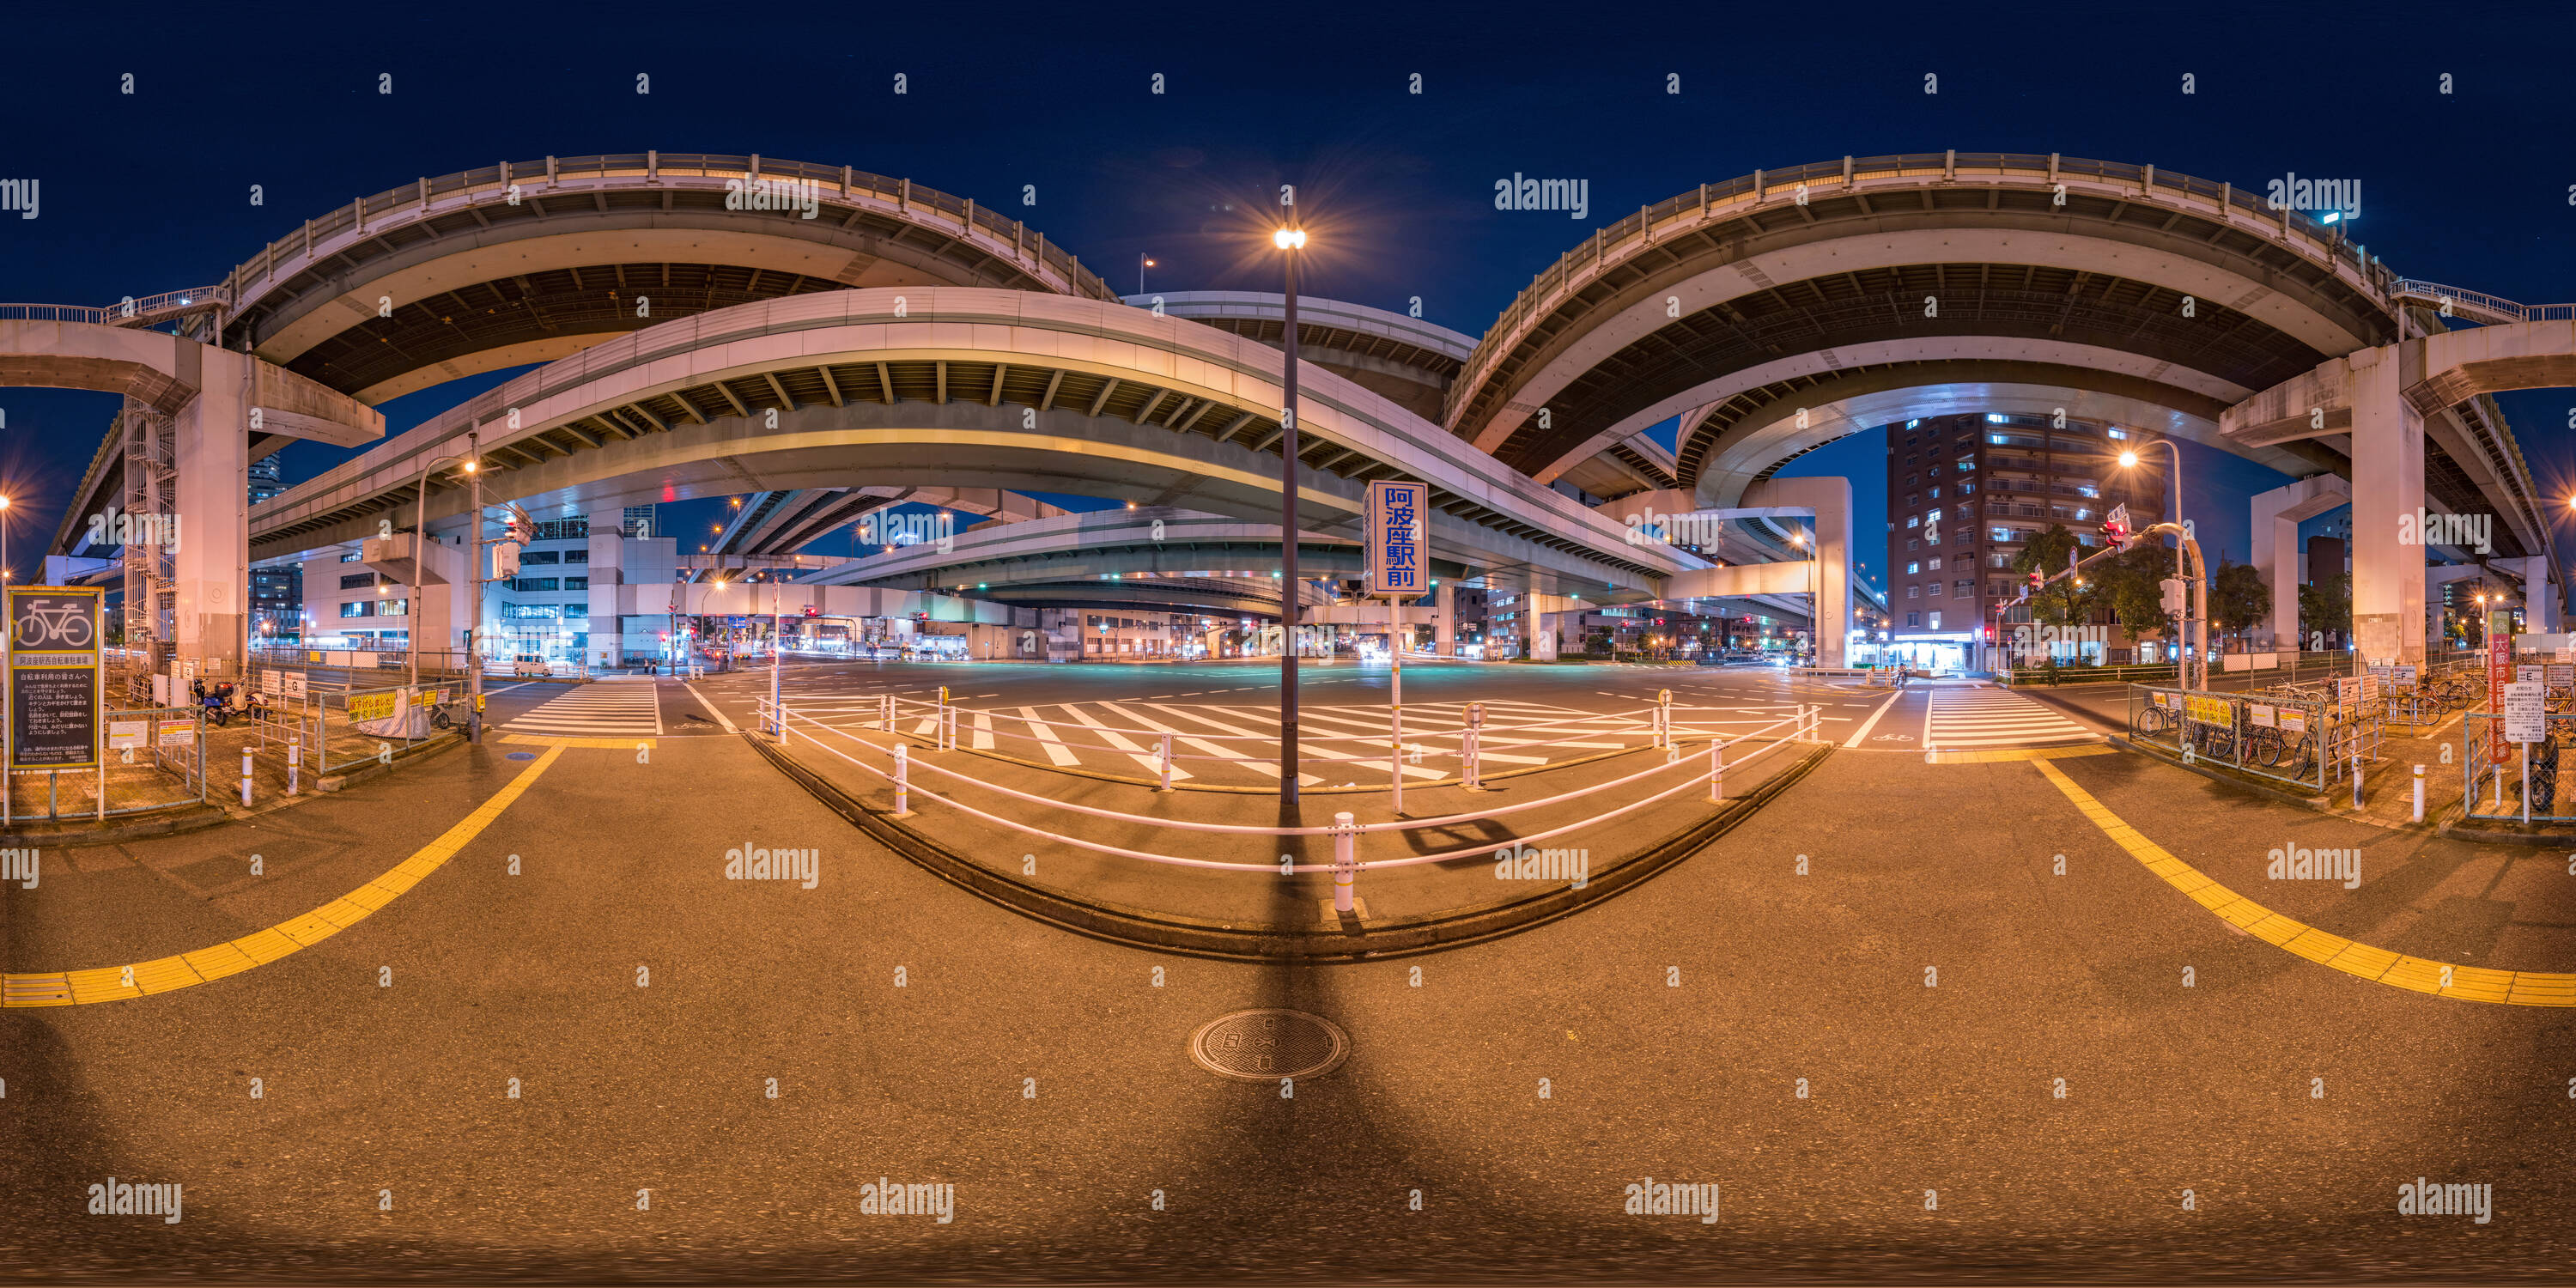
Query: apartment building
{"points": [[1967, 493]]}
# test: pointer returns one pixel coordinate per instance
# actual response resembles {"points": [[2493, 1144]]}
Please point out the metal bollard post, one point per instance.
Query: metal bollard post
{"points": [[1345, 861], [1716, 770], [1395, 756], [1470, 749], [2419, 793], [1663, 717], [948, 729], [902, 783], [294, 763], [1167, 761], [245, 777]]}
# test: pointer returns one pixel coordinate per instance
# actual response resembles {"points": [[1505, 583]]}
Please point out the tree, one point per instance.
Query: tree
{"points": [[2062, 603], [2326, 606], [2131, 583], [2237, 597]]}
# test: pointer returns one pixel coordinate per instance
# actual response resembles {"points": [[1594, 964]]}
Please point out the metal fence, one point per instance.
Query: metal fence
{"points": [[2515, 780], [155, 759], [2305, 741], [338, 743]]}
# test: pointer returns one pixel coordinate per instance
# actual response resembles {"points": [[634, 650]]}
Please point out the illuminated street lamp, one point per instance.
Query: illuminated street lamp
{"points": [[1290, 240]]}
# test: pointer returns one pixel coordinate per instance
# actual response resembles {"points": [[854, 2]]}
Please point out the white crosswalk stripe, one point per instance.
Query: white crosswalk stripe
{"points": [[1239, 743], [596, 711], [1983, 717]]}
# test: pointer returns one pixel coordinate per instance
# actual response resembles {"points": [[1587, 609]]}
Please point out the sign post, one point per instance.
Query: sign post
{"points": [[1398, 570], [2526, 721], [54, 694]]}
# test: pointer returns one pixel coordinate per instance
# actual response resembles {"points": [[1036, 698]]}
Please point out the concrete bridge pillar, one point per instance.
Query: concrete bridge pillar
{"points": [[2388, 482], [1829, 499], [1444, 628], [2277, 515], [212, 459]]}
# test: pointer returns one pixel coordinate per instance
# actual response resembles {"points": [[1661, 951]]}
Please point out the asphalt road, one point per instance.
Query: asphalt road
{"points": [[644, 1001]]}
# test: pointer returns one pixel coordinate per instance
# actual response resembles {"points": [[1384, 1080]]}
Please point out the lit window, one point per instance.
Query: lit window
{"points": [[1994, 418], [1936, 621], [1912, 423], [1934, 517], [1936, 495], [2116, 432], [1967, 488], [1911, 521], [1913, 568]]}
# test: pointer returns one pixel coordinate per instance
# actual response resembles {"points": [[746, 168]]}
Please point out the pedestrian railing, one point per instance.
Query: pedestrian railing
{"points": [[2515, 780], [1691, 772], [2304, 741], [1472, 744]]}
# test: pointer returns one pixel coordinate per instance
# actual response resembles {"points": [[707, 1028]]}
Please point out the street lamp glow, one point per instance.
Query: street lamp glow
{"points": [[1289, 239], [2128, 459]]}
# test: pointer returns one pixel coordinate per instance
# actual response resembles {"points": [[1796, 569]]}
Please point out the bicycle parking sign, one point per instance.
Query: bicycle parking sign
{"points": [[53, 691]]}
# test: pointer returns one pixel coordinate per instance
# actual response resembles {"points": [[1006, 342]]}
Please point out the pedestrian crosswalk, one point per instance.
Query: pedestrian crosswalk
{"points": [[1989, 717], [1238, 743], [604, 710]]}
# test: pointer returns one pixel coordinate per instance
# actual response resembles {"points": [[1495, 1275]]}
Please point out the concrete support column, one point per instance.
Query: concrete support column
{"points": [[212, 460], [1444, 631], [1829, 499], [2277, 553], [2388, 482]]}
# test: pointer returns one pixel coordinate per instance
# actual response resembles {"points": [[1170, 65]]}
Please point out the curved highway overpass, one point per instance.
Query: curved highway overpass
{"points": [[965, 388]]}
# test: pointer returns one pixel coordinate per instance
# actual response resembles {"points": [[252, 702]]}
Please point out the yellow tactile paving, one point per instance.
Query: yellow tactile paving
{"points": [[2469, 983], [116, 983], [2018, 753]]}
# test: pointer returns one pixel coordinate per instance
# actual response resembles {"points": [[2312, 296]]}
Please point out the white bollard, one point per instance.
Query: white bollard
{"points": [[2419, 793], [885, 707], [902, 784], [1395, 756], [1716, 770], [1346, 869], [245, 776], [1470, 769], [1663, 717], [294, 763], [1167, 761]]}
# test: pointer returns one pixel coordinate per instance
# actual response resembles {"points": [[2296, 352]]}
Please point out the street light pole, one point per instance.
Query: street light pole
{"points": [[2195, 625], [420, 538], [474, 571], [1289, 241]]}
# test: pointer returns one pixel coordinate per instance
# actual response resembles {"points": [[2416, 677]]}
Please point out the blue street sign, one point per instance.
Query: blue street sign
{"points": [[1399, 560]]}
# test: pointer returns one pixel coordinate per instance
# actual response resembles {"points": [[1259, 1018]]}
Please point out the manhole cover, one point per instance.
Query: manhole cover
{"points": [[523, 755], [1262, 1046]]}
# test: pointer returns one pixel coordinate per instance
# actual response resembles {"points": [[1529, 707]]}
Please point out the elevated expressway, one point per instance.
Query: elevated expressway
{"points": [[1781, 311], [966, 388], [527, 262]]}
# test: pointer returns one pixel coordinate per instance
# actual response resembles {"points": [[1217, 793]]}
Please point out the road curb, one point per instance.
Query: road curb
{"points": [[1370, 941], [193, 816]]}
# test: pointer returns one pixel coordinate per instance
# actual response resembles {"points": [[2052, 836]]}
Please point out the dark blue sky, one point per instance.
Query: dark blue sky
{"points": [[149, 192]]}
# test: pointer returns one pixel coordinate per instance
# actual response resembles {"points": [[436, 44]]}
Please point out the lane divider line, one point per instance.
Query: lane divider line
{"points": [[2443, 979], [1863, 731], [206, 965]]}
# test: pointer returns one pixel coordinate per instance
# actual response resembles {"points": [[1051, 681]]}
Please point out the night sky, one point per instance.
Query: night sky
{"points": [[150, 192]]}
